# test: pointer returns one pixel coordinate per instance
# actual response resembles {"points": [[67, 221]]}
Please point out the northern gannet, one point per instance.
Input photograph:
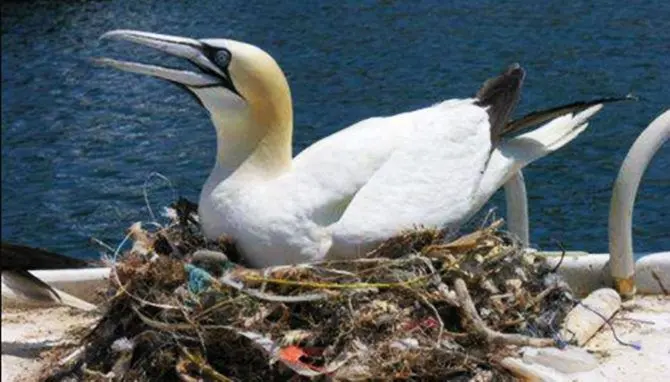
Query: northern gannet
{"points": [[435, 166]]}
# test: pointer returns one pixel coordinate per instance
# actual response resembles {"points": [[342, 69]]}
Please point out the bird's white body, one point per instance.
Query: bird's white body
{"points": [[354, 187], [349, 191], [346, 193]]}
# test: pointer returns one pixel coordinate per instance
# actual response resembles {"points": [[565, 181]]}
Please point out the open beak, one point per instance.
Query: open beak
{"points": [[190, 49]]}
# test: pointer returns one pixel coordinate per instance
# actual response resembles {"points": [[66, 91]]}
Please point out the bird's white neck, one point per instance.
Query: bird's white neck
{"points": [[254, 124], [251, 145], [262, 150]]}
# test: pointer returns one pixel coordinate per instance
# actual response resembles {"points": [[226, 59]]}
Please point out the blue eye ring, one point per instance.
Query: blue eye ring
{"points": [[222, 58]]}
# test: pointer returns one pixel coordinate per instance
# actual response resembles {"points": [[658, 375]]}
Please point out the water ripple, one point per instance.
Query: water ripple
{"points": [[79, 141]]}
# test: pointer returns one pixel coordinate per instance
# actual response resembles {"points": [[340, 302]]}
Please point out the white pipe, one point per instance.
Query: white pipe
{"points": [[623, 199], [517, 208]]}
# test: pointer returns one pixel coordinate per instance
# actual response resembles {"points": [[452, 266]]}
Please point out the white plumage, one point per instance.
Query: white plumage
{"points": [[341, 196], [349, 191]]}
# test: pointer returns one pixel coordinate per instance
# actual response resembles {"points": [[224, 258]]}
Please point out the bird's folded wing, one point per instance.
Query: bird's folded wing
{"points": [[17, 260], [26, 286], [428, 180], [15, 256]]}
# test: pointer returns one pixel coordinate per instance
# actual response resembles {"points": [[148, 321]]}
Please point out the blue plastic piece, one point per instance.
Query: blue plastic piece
{"points": [[199, 280]]}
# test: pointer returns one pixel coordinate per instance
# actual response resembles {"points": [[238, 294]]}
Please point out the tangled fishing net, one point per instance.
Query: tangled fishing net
{"points": [[422, 305]]}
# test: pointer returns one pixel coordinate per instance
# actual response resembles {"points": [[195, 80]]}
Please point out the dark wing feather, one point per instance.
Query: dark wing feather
{"points": [[19, 257], [538, 117], [500, 95], [24, 284], [17, 260]]}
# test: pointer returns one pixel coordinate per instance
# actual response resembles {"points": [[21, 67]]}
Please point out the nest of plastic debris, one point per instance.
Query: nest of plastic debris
{"points": [[422, 305]]}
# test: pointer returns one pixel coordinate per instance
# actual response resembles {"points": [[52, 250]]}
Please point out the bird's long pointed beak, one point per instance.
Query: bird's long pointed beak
{"points": [[190, 49]]}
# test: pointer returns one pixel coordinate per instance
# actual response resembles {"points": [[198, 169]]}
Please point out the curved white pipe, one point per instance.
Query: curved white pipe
{"points": [[623, 198], [517, 208]]}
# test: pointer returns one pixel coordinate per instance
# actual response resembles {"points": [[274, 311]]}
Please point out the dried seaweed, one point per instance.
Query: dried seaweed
{"points": [[421, 306]]}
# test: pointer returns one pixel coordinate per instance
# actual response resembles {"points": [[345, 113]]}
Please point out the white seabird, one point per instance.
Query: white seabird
{"points": [[346, 193]]}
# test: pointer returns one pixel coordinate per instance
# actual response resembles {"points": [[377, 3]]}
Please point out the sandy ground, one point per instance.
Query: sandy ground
{"points": [[28, 336], [644, 321]]}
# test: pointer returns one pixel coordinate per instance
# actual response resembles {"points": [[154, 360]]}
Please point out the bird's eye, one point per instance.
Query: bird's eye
{"points": [[222, 58]]}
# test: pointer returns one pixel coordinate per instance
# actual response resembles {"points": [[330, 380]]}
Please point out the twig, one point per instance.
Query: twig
{"points": [[490, 215], [464, 356], [226, 280], [542, 295], [322, 285], [502, 296], [275, 298], [214, 307], [164, 326], [96, 375], [560, 261], [122, 287], [74, 356], [660, 283], [514, 322], [186, 378], [205, 368], [363, 260], [470, 312], [435, 312], [198, 331]]}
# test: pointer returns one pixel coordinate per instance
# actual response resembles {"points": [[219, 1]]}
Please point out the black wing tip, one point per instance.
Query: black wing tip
{"points": [[515, 70], [21, 257], [25, 284], [583, 105], [500, 96], [541, 116], [509, 80]]}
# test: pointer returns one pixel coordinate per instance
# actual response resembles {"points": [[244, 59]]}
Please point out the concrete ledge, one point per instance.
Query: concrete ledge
{"points": [[582, 271], [652, 274], [586, 272], [28, 337]]}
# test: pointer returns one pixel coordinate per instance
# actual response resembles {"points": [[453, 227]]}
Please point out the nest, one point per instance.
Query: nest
{"points": [[421, 306]]}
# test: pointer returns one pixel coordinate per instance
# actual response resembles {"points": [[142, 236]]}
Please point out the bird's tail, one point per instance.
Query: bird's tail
{"points": [[566, 123], [537, 117], [537, 143], [513, 154]]}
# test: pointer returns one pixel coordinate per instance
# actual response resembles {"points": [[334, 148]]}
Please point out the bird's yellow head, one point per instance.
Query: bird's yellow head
{"points": [[242, 87]]}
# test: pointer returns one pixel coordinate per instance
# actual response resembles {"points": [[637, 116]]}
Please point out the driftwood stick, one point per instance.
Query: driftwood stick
{"points": [[542, 295], [472, 317]]}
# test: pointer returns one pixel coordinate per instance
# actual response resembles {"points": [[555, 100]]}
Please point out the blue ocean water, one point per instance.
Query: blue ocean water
{"points": [[78, 141]]}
